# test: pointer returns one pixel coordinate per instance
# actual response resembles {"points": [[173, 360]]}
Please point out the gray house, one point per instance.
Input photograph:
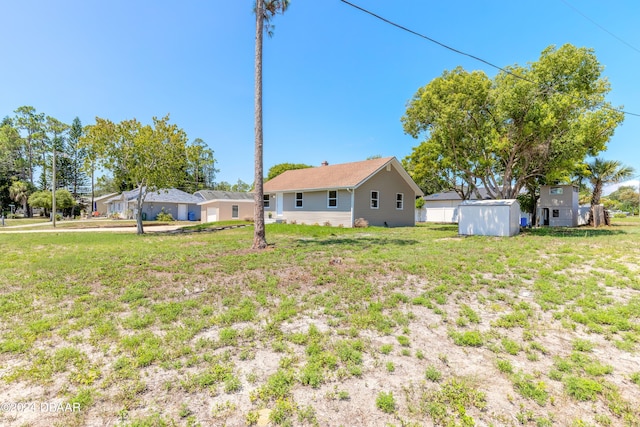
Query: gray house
{"points": [[181, 205], [558, 205], [378, 190], [225, 205]]}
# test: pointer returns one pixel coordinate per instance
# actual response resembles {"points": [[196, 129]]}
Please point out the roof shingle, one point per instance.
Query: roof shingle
{"points": [[345, 175]]}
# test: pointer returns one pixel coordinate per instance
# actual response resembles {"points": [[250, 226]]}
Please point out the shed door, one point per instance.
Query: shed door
{"points": [[182, 212], [212, 214]]}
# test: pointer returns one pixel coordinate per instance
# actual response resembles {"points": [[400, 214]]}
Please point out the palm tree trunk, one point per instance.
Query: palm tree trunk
{"points": [[259, 239]]}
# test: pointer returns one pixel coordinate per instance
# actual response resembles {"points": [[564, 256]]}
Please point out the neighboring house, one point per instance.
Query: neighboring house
{"points": [[443, 207], [558, 205], [378, 190], [225, 205], [181, 205], [100, 203]]}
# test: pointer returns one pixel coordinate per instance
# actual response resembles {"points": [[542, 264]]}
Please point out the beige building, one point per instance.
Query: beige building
{"points": [[225, 205], [378, 190]]}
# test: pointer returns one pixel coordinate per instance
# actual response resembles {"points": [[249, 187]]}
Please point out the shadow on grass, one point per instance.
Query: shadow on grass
{"points": [[360, 241], [572, 232]]}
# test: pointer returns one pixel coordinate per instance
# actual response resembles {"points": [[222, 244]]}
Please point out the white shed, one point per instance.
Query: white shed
{"points": [[489, 217]]}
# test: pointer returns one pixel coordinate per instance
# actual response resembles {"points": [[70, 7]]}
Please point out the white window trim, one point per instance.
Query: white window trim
{"points": [[295, 200], [266, 201], [401, 201], [329, 198], [377, 199]]}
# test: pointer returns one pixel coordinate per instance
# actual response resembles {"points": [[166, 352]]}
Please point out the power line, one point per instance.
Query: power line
{"points": [[599, 26], [459, 51]]}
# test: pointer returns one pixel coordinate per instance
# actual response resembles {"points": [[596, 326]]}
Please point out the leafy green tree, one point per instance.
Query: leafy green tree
{"points": [[41, 199], [626, 198], [527, 126], [602, 172], [276, 170], [265, 11], [154, 157], [55, 140]]}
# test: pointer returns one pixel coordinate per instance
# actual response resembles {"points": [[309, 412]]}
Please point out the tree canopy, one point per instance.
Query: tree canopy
{"points": [[276, 170], [526, 126], [150, 156]]}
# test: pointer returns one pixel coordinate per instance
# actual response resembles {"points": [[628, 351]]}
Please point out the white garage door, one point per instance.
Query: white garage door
{"points": [[212, 214]]}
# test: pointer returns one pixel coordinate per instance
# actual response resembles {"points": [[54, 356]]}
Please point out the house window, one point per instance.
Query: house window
{"points": [[298, 200], [265, 200], [332, 199], [399, 201], [375, 196], [555, 190], [234, 211], [556, 213]]}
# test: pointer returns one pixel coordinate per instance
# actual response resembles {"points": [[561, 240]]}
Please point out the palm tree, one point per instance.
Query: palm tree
{"points": [[19, 192], [602, 172], [265, 11]]}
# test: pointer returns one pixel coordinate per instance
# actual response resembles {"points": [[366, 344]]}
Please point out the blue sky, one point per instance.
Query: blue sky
{"points": [[336, 81]]}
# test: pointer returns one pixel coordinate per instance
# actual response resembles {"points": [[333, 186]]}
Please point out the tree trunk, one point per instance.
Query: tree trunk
{"points": [[259, 238], [139, 200]]}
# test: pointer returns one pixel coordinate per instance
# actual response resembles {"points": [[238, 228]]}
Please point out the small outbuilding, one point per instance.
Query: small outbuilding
{"points": [[558, 206], [489, 217]]}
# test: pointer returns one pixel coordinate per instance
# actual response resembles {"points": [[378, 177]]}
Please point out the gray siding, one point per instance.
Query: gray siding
{"points": [[388, 183], [315, 210], [153, 209]]}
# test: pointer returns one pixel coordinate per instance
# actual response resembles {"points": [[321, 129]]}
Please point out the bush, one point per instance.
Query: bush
{"points": [[385, 402], [164, 216], [361, 223]]}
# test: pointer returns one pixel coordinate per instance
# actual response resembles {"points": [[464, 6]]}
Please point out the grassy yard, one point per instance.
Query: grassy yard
{"points": [[328, 326]]}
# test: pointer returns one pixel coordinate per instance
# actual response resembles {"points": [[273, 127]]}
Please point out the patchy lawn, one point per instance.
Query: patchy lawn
{"points": [[328, 326]]}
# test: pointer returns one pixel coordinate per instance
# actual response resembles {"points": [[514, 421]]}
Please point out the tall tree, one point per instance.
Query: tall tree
{"points": [[526, 126], [77, 156], [11, 161], [32, 124], [154, 157], [602, 172], [265, 11], [201, 171]]}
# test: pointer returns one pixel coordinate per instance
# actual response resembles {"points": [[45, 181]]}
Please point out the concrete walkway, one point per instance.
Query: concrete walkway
{"points": [[128, 229]]}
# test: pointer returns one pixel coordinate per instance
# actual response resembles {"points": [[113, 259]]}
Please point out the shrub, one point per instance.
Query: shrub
{"points": [[385, 402], [361, 223], [164, 216]]}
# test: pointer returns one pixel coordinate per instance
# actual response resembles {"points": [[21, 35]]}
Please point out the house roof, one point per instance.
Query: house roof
{"points": [[165, 195], [345, 175], [104, 196], [223, 195]]}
